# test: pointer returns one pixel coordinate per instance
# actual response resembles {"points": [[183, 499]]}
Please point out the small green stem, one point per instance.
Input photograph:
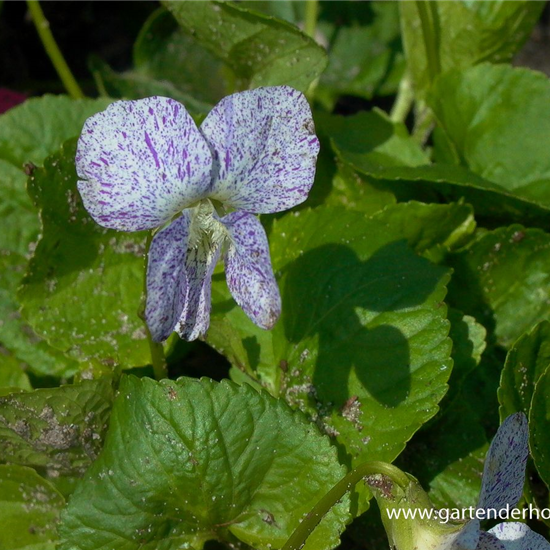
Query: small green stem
{"points": [[403, 101], [310, 522], [424, 122], [428, 21], [54, 53], [157, 357], [156, 349], [312, 12]]}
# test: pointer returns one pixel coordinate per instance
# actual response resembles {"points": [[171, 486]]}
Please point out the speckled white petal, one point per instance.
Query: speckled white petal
{"points": [[466, 539], [518, 536], [504, 470], [167, 283], [488, 541], [248, 269], [179, 275], [265, 149], [140, 162]]}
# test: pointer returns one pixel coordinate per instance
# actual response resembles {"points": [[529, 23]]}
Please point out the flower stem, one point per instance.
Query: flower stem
{"points": [[312, 12], [158, 360], [54, 53], [430, 33], [403, 101], [310, 522]]}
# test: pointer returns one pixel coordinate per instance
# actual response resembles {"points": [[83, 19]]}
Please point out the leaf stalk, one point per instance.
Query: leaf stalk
{"points": [[52, 49]]}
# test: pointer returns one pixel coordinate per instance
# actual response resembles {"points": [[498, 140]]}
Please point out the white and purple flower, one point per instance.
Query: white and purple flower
{"points": [[501, 490], [502, 487], [144, 164]]}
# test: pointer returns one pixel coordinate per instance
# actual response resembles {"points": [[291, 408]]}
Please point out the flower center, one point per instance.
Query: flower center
{"points": [[206, 230]]}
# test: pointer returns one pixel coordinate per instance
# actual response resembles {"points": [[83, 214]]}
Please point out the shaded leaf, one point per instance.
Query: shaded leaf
{"points": [[491, 201], [526, 362], [365, 55], [539, 421], [355, 296], [12, 374], [261, 50], [165, 52]]}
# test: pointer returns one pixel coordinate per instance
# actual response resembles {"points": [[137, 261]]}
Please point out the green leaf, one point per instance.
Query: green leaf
{"points": [[366, 56], [448, 456], [355, 296], [19, 218], [503, 280], [84, 283], [469, 343], [15, 334], [57, 429], [372, 141], [539, 421], [135, 85], [165, 52], [29, 510], [12, 374], [261, 50], [485, 112], [525, 363], [350, 190], [426, 182], [36, 128], [459, 34], [189, 461]]}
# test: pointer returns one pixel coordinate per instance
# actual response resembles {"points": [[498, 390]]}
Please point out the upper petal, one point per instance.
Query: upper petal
{"points": [[179, 276], [504, 470], [140, 162], [264, 147], [248, 269], [516, 536]]}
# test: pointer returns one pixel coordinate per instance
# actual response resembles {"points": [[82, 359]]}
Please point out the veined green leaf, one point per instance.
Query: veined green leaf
{"points": [[190, 461]]}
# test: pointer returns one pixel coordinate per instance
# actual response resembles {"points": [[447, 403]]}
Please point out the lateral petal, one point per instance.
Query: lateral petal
{"points": [[248, 269]]}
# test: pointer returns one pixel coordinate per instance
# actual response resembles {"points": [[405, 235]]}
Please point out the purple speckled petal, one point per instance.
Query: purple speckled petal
{"points": [[516, 536], [488, 541], [141, 162], [466, 539], [504, 470], [178, 282], [265, 149], [248, 269]]}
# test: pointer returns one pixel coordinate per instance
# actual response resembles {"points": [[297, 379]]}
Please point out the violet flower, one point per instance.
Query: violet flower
{"points": [[502, 487], [144, 164], [501, 490]]}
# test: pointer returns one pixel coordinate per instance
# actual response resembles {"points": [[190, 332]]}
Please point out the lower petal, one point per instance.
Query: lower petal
{"points": [[504, 469], [178, 282], [514, 535], [248, 269]]}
